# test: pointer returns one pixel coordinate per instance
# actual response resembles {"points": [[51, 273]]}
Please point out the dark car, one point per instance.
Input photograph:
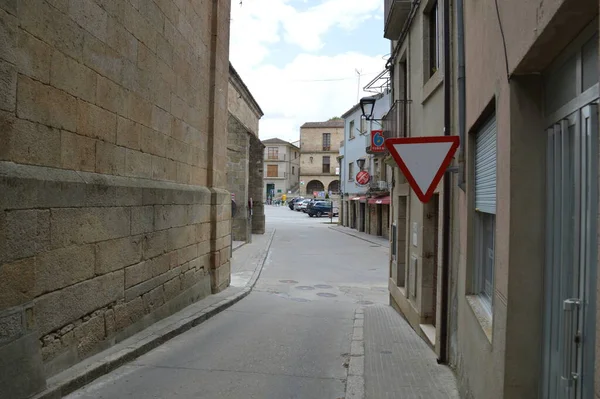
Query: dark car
{"points": [[318, 208]]}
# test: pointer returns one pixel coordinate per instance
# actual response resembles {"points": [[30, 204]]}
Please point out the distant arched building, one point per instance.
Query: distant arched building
{"points": [[334, 187], [319, 148], [314, 185]]}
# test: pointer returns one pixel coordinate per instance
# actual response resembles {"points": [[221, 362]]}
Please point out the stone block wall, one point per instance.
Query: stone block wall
{"points": [[238, 147], [257, 189], [107, 86], [113, 142]]}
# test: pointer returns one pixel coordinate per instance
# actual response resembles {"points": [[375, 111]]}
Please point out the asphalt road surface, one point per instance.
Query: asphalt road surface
{"points": [[290, 338]]}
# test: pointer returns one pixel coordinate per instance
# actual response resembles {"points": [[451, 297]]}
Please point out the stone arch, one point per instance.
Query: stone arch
{"points": [[334, 187], [314, 185]]}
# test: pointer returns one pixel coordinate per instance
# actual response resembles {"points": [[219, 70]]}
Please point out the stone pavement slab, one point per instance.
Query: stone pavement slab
{"points": [[398, 363], [250, 260]]}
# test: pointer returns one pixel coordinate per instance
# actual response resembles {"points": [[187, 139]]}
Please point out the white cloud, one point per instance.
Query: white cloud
{"points": [[311, 87]]}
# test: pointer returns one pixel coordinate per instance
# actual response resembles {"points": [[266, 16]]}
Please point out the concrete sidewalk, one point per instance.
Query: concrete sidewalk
{"points": [[398, 363], [248, 260], [384, 242]]}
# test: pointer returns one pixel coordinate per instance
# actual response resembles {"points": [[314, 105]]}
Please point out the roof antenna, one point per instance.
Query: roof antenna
{"points": [[359, 73]]}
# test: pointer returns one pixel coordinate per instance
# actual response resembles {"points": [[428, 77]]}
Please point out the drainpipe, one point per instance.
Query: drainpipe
{"points": [[460, 46], [443, 358]]}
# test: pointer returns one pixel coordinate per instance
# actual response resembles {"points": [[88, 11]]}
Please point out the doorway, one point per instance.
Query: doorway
{"points": [[379, 219], [270, 192], [570, 261], [431, 222], [571, 89], [362, 217]]}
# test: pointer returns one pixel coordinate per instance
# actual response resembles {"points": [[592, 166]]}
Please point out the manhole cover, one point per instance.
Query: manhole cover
{"points": [[326, 294], [322, 286], [365, 302], [288, 281], [300, 299], [305, 287]]}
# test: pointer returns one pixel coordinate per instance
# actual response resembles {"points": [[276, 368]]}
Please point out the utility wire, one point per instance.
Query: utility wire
{"points": [[332, 79], [503, 41]]}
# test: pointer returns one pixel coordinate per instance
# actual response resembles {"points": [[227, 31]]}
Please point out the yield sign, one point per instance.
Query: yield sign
{"points": [[423, 160]]}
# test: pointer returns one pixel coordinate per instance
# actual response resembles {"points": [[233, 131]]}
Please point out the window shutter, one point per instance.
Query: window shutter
{"points": [[485, 168]]}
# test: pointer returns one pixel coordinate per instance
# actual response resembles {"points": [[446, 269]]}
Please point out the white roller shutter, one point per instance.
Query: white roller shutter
{"points": [[485, 168]]}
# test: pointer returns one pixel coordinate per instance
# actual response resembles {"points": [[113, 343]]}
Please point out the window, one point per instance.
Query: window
{"points": [[485, 212], [273, 153], [295, 155], [326, 165], [326, 141], [434, 39], [351, 171], [351, 130], [293, 170], [272, 170]]}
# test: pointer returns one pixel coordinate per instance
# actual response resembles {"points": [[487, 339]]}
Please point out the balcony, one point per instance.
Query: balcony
{"points": [[395, 13], [275, 175], [379, 185], [395, 122], [275, 157]]}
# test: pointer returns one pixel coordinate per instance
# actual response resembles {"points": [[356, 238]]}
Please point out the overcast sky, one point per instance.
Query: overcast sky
{"points": [[298, 57]]}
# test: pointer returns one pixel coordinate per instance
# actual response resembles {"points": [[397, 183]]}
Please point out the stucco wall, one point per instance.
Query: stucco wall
{"points": [[535, 33], [112, 159], [355, 148], [425, 116]]}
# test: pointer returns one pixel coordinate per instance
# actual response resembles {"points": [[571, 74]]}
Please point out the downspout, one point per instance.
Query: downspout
{"points": [[443, 358], [460, 46]]}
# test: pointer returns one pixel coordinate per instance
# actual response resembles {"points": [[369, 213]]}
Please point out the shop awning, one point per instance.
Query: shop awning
{"points": [[362, 198], [381, 200]]}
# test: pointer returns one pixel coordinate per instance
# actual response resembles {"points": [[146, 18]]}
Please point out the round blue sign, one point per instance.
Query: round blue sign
{"points": [[378, 139]]}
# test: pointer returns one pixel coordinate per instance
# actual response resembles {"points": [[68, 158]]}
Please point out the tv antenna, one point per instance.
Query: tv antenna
{"points": [[358, 73]]}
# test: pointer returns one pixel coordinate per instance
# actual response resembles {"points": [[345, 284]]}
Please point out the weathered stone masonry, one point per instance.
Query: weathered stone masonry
{"points": [[244, 152], [113, 209]]}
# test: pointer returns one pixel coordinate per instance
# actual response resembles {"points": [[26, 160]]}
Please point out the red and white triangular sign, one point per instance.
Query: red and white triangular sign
{"points": [[423, 160]]}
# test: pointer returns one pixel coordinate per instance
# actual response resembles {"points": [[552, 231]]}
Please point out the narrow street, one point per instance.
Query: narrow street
{"points": [[292, 336]]}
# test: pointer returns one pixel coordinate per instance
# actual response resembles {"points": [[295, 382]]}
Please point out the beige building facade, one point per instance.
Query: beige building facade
{"points": [[525, 235], [522, 284], [113, 204], [417, 110], [319, 148], [281, 168]]}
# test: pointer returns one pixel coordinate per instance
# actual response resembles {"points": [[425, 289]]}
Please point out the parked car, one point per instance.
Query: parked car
{"points": [[293, 201], [302, 205], [319, 208]]}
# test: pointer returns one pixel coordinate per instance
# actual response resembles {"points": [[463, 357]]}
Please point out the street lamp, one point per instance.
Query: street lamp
{"points": [[361, 163], [367, 105]]}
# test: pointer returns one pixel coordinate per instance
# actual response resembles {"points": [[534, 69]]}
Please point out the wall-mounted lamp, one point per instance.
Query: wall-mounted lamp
{"points": [[367, 105], [361, 163]]}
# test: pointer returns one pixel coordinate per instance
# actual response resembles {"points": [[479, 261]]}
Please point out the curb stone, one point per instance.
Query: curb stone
{"points": [[145, 344], [355, 236], [355, 383]]}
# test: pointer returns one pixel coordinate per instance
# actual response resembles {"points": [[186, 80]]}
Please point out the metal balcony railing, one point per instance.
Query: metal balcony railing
{"points": [[379, 185], [396, 13], [275, 157], [395, 122], [275, 175]]}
